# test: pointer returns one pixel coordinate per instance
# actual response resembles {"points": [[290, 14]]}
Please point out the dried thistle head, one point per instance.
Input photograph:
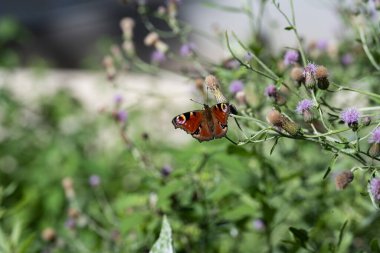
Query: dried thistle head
{"points": [[213, 84], [321, 75], [343, 179]]}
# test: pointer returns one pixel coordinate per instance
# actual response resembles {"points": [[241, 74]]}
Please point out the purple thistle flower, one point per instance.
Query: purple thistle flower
{"points": [[347, 59], [270, 91], [70, 223], [375, 136], [122, 116], [258, 224], [290, 57], [118, 99], [304, 105], [187, 49], [375, 188], [236, 86], [158, 56], [322, 44], [94, 180], [350, 116], [311, 68], [232, 64], [166, 170]]}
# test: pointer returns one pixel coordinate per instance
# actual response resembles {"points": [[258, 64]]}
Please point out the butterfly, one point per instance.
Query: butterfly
{"points": [[207, 124]]}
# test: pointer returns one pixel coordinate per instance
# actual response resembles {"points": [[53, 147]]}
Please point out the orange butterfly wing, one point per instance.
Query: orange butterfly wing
{"points": [[194, 123], [220, 113]]}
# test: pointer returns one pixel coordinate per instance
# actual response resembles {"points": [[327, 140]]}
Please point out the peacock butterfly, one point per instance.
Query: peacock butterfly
{"points": [[207, 124]]}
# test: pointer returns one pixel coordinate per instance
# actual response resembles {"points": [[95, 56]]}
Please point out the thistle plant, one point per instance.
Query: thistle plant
{"points": [[285, 102]]}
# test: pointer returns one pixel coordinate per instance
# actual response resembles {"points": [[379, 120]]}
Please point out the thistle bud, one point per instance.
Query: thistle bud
{"points": [[241, 98], [321, 75], [366, 121], [291, 127], [309, 74], [374, 150], [151, 39], [343, 179], [275, 118], [48, 235], [297, 75]]}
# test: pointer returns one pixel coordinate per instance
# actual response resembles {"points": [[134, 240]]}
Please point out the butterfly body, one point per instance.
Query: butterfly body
{"points": [[207, 124]]}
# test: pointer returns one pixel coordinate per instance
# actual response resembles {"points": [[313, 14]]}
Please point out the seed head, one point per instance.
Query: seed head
{"points": [[321, 75], [48, 235], [296, 74], [151, 39], [343, 179]]}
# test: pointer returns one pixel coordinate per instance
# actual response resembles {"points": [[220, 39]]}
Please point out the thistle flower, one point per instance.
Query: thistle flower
{"points": [[374, 188], [118, 99], [343, 179], [350, 116], [166, 170], [187, 49], [375, 136], [322, 44], [374, 150], [94, 181], [258, 224], [271, 91], [158, 57], [231, 64], [347, 59], [321, 75], [309, 75], [304, 107], [122, 116], [290, 57], [236, 86]]}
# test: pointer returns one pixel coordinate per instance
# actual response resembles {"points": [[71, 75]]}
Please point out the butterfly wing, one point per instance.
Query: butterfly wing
{"points": [[194, 123], [220, 113]]}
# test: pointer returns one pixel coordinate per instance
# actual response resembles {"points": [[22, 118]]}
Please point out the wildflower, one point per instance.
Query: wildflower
{"points": [[309, 75], [70, 223], [122, 116], [297, 75], [374, 187], [366, 121], [321, 75], [350, 116], [236, 86], [118, 99], [271, 91], [322, 44], [304, 107], [187, 49], [347, 59], [375, 136], [291, 57], [258, 224], [241, 98], [158, 57], [374, 150], [166, 170], [231, 64], [279, 120], [48, 234], [94, 180], [343, 179]]}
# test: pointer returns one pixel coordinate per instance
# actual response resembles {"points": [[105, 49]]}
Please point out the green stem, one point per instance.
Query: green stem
{"points": [[366, 49]]}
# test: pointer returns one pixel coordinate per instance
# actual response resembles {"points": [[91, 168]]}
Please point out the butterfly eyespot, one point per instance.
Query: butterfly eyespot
{"points": [[224, 107], [181, 119]]}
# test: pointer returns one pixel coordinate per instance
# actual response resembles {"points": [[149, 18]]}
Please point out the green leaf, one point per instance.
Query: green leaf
{"points": [[300, 234], [288, 28], [164, 242], [375, 245], [341, 233], [274, 145], [332, 162], [235, 150]]}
